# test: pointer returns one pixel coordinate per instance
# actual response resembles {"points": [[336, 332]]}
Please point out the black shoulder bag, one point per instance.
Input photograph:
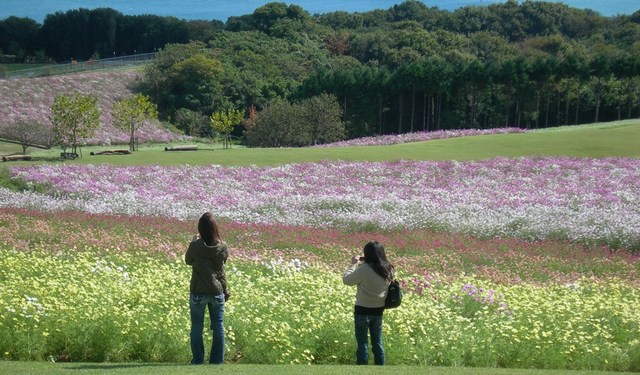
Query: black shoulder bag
{"points": [[394, 295]]}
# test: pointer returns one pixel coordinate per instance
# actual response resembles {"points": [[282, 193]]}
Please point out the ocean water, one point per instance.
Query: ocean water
{"points": [[223, 9]]}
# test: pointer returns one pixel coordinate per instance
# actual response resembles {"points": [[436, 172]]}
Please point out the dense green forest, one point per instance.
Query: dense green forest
{"points": [[407, 68]]}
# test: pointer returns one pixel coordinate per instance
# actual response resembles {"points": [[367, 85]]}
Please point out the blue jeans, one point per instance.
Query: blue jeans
{"points": [[197, 305], [369, 324]]}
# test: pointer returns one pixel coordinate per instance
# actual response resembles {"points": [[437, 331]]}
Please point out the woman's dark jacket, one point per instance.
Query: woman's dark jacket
{"points": [[207, 267]]}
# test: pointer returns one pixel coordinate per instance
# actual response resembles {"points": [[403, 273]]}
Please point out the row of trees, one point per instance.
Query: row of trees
{"points": [[84, 33], [188, 82], [432, 93]]}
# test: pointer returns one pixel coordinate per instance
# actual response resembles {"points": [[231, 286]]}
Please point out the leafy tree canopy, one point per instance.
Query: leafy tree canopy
{"points": [[130, 113], [74, 118], [223, 122]]}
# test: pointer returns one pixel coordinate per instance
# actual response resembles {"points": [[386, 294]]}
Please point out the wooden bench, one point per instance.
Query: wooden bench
{"points": [[16, 157], [182, 148], [111, 152]]}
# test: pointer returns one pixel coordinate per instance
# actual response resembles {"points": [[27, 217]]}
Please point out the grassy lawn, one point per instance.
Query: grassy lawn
{"points": [[614, 139], [10, 148], [24, 368]]}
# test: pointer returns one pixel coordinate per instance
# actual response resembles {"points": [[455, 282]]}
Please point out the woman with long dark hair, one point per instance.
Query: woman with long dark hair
{"points": [[206, 255], [372, 275]]}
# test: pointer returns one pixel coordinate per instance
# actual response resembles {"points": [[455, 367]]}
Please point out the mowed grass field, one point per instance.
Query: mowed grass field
{"points": [[618, 139], [37, 368]]}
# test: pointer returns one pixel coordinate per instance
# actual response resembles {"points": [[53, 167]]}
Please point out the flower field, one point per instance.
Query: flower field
{"points": [[515, 263], [30, 100], [86, 287], [591, 201]]}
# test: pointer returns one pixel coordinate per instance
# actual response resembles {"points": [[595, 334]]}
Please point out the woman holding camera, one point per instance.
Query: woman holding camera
{"points": [[206, 255], [372, 275]]}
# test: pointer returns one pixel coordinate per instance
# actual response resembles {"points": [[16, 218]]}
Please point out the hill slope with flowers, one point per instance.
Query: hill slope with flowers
{"points": [[30, 100]]}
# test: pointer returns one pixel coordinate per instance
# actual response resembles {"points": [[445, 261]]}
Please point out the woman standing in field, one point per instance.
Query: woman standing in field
{"points": [[206, 255], [372, 277]]}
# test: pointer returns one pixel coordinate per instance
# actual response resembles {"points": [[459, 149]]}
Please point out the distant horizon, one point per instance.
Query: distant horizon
{"points": [[222, 10]]}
